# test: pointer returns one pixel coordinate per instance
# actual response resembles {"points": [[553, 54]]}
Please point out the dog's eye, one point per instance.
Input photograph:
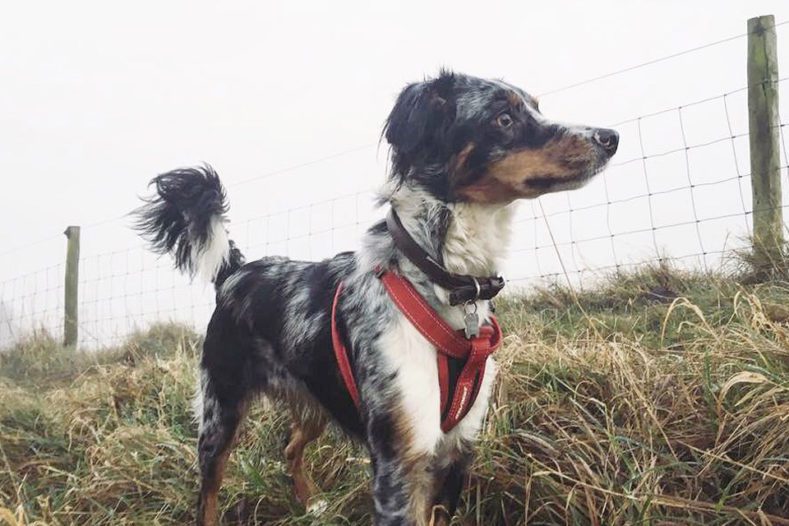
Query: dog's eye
{"points": [[504, 120]]}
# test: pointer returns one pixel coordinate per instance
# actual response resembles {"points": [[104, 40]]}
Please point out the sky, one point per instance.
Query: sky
{"points": [[286, 100]]}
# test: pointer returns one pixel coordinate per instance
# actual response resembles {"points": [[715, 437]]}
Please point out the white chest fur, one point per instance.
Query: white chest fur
{"points": [[476, 239], [413, 359]]}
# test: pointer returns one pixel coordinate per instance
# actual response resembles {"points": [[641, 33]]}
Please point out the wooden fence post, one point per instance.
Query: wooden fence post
{"points": [[764, 128], [70, 319]]}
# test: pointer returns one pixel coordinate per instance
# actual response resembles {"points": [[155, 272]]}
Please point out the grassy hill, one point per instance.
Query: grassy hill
{"points": [[656, 398]]}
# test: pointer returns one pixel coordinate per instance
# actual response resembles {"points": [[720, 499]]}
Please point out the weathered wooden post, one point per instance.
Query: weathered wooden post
{"points": [[70, 319], [764, 125]]}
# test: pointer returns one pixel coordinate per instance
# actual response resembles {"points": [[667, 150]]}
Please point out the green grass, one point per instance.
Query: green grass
{"points": [[656, 398]]}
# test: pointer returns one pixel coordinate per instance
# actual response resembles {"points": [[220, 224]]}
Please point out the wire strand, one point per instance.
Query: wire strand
{"points": [[648, 63]]}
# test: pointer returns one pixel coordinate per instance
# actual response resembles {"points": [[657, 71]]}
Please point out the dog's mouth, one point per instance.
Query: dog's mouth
{"points": [[566, 163], [545, 183]]}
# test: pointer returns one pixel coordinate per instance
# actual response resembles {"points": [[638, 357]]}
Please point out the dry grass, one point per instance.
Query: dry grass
{"points": [[657, 398]]}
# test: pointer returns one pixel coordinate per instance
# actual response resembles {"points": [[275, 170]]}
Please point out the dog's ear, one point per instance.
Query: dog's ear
{"points": [[417, 127]]}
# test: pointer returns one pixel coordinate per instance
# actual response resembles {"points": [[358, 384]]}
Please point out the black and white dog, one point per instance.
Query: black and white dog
{"points": [[463, 149]]}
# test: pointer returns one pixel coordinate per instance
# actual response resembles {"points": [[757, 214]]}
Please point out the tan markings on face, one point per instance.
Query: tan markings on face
{"points": [[515, 100], [561, 160], [458, 167], [462, 157]]}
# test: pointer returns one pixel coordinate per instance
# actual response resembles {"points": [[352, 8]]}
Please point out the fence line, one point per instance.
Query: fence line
{"points": [[679, 194], [544, 94], [125, 288], [656, 61]]}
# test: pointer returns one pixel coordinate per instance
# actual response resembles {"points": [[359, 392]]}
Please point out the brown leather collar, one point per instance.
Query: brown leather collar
{"points": [[462, 288]]}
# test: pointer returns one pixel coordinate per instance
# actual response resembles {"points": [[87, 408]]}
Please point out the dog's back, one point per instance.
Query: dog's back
{"points": [[270, 332]]}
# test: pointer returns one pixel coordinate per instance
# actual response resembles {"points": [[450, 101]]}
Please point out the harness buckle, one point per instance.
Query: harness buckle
{"points": [[471, 321]]}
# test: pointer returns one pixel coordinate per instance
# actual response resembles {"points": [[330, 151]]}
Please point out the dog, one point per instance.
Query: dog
{"points": [[463, 150]]}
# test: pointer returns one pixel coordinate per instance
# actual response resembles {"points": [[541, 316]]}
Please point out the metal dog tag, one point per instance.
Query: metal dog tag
{"points": [[471, 321]]}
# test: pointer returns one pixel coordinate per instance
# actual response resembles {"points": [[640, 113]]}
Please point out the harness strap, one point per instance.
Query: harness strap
{"points": [[451, 346], [432, 326], [341, 352]]}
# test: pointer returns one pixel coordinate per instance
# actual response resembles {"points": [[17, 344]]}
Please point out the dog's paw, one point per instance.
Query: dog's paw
{"points": [[440, 516], [317, 508]]}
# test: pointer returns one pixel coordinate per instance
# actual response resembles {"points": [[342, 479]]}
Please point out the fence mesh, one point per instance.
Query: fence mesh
{"points": [[679, 189]]}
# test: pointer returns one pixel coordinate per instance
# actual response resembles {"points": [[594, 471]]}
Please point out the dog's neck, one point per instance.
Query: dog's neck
{"points": [[466, 238]]}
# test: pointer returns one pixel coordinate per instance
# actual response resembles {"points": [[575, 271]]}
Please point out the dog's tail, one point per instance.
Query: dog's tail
{"points": [[186, 219]]}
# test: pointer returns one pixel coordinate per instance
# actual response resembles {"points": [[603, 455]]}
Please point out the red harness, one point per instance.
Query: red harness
{"points": [[461, 361]]}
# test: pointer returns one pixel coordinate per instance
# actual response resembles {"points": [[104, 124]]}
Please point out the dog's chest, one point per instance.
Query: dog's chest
{"points": [[413, 360]]}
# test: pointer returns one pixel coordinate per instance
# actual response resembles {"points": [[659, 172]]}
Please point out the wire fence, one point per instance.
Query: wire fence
{"points": [[688, 200], [679, 189]]}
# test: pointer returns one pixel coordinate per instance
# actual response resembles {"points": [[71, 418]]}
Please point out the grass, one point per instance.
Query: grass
{"points": [[656, 398]]}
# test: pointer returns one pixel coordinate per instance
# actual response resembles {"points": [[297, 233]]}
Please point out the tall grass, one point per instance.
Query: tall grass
{"points": [[656, 398]]}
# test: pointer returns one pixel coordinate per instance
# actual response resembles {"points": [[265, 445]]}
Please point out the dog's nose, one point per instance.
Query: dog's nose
{"points": [[608, 139]]}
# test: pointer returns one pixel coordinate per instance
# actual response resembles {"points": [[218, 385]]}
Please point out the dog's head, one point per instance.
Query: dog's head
{"points": [[468, 139]]}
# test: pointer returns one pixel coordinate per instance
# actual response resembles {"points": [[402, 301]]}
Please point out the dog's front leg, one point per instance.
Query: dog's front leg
{"points": [[451, 470], [403, 482]]}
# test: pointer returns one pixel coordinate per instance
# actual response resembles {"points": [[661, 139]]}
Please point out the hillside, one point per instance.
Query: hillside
{"points": [[656, 398]]}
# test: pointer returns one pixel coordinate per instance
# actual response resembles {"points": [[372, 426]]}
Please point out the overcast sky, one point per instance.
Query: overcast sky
{"points": [[98, 97]]}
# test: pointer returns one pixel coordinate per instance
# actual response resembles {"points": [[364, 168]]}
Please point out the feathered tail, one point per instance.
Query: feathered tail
{"points": [[186, 219]]}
